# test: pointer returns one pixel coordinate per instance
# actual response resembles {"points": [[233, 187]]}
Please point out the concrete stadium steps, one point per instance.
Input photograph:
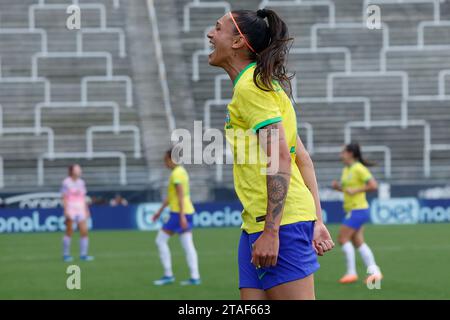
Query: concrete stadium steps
{"points": [[437, 35], [311, 71], [14, 14], [114, 91], [364, 44], [18, 100], [78, 66], [384, 92], [22, 174], [31, 146], [301, 21], [70, 125], [61, 39], [327, 131], [423, 68], [445, 10], [348, 11], [437, 114], [109, 142], [403, 19], [16, 52], [406, 144], [329, 168]]}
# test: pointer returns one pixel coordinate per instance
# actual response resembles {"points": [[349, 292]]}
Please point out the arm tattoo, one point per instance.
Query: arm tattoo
{"points": [[278, 183], [277, 188]]}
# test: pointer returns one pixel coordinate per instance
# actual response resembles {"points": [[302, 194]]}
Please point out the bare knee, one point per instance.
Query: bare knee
{"points": [[343, 238], [357, 241], [253, 294], [302, 289], [83, 229], [345, 234], [69, 228]]}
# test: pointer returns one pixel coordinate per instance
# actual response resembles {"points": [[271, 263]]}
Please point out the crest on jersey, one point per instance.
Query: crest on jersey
{"points": [[228, 121]]}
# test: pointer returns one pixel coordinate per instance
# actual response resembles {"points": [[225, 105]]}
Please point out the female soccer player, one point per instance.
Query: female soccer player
{"points": [[282, 223], [180, 221], [356, 180], [76, 210]]}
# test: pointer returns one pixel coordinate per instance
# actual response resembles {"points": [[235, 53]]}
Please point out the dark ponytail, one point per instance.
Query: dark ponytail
{"points": [[271, 43], [355, 150]]}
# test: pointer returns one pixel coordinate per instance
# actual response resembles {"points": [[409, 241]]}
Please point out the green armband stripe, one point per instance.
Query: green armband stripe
{"points": [[266, 123]]}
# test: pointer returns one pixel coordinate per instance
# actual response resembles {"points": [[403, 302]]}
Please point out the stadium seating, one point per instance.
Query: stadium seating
{"points": [[352, 83], [67, 96]]}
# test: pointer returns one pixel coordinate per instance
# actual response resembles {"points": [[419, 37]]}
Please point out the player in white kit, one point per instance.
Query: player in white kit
{"points": [[76, 210]]}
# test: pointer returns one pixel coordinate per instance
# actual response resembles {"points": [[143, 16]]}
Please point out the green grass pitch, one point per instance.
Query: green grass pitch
{"points": [[415, 260]]}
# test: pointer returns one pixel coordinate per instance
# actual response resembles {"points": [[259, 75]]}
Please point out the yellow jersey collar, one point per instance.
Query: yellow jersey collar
{"points": [[242, 72]]}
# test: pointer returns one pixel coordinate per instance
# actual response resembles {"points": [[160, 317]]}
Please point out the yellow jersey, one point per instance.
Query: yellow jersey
{"points": [[179, 175], [355, 176], [249, 110]]}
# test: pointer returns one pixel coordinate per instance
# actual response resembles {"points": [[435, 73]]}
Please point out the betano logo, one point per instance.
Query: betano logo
{"points": [[406, 211]]}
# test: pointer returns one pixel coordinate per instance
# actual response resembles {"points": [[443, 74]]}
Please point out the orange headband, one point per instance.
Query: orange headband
{"points": [[242, 35]]}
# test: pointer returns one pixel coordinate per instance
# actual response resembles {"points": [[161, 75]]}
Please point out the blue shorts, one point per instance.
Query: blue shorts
{"points": [[173, 223], [356, 218], [297, 258]]}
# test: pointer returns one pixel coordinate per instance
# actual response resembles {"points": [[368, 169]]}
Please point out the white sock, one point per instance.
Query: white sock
{"points": [[368, 258], [191, 253], [349, 252], [162, 240]]}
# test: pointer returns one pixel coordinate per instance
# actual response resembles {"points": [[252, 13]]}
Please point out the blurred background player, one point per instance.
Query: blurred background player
{"points": [[180, 221], [118, 201], [356, 180], [76, 210], [282, 222]]}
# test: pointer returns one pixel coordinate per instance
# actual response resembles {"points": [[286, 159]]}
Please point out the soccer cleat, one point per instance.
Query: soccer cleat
{"points": [[67, 258], [191, 282], [86, 258], [348, 278], [373, 278], [164, 281]]}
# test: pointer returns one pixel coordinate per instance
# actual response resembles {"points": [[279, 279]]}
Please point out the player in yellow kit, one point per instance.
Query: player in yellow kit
{"points": [[282, 229], [356, 180], [180, 221]]}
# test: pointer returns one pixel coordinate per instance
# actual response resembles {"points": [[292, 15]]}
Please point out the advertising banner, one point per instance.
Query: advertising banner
{"points": [[214, 215]]}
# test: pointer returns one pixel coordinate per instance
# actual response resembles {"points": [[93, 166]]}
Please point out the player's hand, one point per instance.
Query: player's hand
{"points": [[351, 191], [183, 222], [322, 241], [265, 249], [336, 185], [156, 216]]}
